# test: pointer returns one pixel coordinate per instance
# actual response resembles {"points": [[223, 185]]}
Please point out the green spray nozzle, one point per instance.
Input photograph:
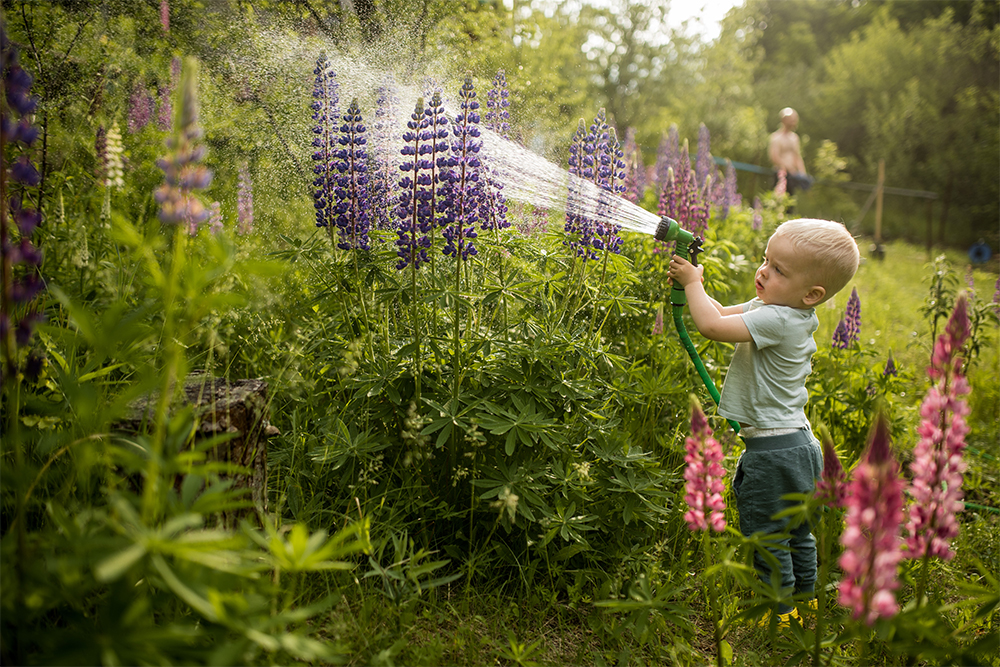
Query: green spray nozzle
{"points": [[688, 245]]}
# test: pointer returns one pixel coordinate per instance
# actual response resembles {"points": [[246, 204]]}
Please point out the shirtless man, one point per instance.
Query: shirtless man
{"points": [[783, 149]]}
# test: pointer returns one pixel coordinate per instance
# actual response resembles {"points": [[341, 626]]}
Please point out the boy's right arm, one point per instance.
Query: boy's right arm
{"points": [[713, 320]]}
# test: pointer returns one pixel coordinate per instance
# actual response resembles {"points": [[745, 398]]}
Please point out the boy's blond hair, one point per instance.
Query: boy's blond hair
{"points": [[832, 251]]}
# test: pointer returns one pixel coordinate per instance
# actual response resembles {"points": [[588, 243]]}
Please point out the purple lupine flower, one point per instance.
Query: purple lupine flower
{"points": [[537, 223], [214, 218], [165, 113], [852, 317], [19, 258], [758, 218], [871, 539], [841, 340], [465, 188], [497, 120], [729, 197], [579, 230], [414, 223], [611, 180], [326, 115], [937, 464], [703, 476], [383, 168], [140, 108], [830, 488], [438, 151], [351, 211], [182, 172], [497, 117], [165, 15], [681, 199], [704, 166], [658, 322], [890, 367], [244, 201]]}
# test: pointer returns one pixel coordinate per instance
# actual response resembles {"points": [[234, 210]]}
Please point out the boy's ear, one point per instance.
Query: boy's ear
{"points": [[814, 295]]}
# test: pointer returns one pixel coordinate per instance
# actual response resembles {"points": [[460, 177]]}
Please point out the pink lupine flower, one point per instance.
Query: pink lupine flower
{"points": [[781, 187], [758, 218], [831, 488], [704, 474], [937, 465], [658, 324], [165, 15], [871, 540]]}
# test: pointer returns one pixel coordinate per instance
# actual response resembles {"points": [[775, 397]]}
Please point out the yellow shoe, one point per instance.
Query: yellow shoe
{"points": [[784, 620]]}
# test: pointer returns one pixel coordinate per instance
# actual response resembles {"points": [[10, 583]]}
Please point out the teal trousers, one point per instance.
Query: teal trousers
{"points": [[769, 468]]}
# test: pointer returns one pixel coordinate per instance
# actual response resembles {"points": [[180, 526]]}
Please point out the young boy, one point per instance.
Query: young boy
{"points": [[806, 262]]}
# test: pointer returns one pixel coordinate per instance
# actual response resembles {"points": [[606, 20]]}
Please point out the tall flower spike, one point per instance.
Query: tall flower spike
{"points": [[183, 173], [244, 201], [937, 464], [140, 108], [830, 488], [114, 177], [497, 119], [758, 218], [165, 15], [19, 258], [465, 191], [383, 171], [703, 476], [871, 540], [351, 211], [890, 367], [611, 180], [852, 317], [579, 230], [436, 147], [704, 166], [325, 131], [413, 227], [841, 340]]}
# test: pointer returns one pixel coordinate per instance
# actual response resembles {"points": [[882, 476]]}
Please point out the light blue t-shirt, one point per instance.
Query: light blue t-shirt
{"points": [[766, 383]]}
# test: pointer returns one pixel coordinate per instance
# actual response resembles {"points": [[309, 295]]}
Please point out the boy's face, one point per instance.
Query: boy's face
{"points": [[784, 279]]}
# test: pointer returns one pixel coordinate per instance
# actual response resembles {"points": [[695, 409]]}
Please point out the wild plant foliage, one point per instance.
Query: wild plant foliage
{"points": [[466, 400]]}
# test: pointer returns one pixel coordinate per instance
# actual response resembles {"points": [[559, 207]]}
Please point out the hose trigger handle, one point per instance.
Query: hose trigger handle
{"points": [[695, 249]]}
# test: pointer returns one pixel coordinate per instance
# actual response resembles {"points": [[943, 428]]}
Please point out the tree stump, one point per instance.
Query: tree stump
{"points": [[221, 406]]}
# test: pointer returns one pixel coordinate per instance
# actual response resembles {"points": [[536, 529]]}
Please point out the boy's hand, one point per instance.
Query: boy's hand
{"points": [[684, 272]]}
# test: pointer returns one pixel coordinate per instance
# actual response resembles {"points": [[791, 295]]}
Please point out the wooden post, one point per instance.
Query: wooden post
{"points": [[238, 407], [879, 186]]}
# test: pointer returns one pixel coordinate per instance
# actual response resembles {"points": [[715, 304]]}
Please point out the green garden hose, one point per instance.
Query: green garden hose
{"points": [[688, 247]]}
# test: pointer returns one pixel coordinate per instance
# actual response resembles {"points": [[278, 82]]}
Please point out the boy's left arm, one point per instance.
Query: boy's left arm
{"points": [[710, 320]]}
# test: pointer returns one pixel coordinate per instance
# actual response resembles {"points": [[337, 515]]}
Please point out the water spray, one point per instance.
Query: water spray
{"points": [[688, 247]]}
